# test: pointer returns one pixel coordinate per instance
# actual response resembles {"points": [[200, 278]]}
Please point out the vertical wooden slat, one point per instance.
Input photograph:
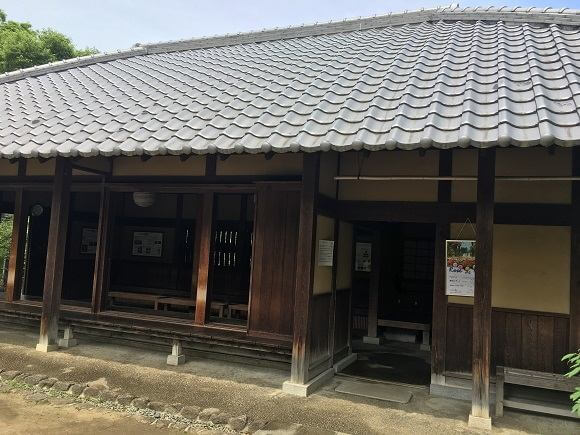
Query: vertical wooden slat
{"points": [[332, 320], [497, 339], [530, 341], [575, 257], [299, 373], [203, 303], [17, 246], [546, 344], [374, 284], [210, 165], [439, 319], [55, 256], [513, 340], [561, 343], [103, 254], [482, 297]]}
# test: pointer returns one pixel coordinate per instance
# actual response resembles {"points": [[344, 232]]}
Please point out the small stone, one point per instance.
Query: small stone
{"points": [[108, 396], [144, 419], [170, 409], [190, 412], [60, 401], [156, 406], [255, 426], [160, 424], [9, 375], [125, 399], [221, 418], [238, 423], [62, 386], [5, 389], [91, 392], [177, 425], [34, 379], [47, 383], [208, 413], [140, 402], [37, 398], [77, 389]]}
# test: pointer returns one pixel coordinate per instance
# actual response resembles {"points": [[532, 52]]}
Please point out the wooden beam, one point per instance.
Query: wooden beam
{"points": [[575, 257], [482, 297], [203, 296], [374, 287], [211, 165], [55, 256], [442, 228], [101, 277], [17, 247], [299, 373]]}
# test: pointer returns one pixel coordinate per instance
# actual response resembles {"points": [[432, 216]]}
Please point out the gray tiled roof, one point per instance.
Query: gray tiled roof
{"points": [[436, 78]]}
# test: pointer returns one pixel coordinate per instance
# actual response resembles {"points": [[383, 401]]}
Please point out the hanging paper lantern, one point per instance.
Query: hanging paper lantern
{"points": [[144, 199]]}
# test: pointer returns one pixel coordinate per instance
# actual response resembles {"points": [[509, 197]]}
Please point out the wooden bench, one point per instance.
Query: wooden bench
{"points": [[425, 328], [165, 301], [241, 308], [135, 297], [531, 378]]}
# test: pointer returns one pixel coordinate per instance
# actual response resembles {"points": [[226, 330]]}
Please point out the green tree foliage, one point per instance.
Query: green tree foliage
{"points": [[22, 47], [5, 236], [574, 362]]}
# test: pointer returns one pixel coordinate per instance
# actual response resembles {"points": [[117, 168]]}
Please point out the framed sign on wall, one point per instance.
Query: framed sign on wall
{"points": [[460, 267], [362, 257], [147, 244], [88, 240]]}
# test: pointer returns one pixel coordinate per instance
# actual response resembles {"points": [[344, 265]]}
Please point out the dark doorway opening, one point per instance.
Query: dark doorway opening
{"points": [[401, 350]]}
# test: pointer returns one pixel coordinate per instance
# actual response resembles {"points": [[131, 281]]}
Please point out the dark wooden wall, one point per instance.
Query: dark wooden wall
{"points": [[320, 329], [521, 339], [342, 321], [274, 261]]}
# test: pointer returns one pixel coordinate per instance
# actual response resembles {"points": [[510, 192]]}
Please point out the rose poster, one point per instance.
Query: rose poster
{"points": [[460, 270]]}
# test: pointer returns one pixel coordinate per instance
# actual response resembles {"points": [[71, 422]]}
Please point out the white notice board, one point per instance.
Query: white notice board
{"points": [[326, 252]]}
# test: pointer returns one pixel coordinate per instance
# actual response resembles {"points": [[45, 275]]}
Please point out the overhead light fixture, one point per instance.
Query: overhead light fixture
{"points": [[144, 199]]}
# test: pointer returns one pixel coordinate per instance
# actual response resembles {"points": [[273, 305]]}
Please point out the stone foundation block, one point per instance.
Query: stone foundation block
{"points": [[77, 389], [140, 402], [47, 383], [62, 385], [479, 423], [125, 399], [9, 375], [34, 379], [92, 392]]}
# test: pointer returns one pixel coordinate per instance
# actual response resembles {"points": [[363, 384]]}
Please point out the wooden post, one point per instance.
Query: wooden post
{"points": [[203, 302], [305, 271], [480, 416], [18, 241], [103, 253], [55, 256], [374, 286], [17, 246], [439, 319], [575, 256]]}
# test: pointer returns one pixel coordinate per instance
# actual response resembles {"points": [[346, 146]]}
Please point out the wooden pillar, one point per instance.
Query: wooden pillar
{"points": [[55, 256], [482, 299], [305, 271], [101, 277], [203, 302], [18, 241], [17, 245], [575, 256], [442, 233], [374, 286]]}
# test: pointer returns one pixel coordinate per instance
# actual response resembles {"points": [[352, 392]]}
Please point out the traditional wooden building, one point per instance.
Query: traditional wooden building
{"points": [[261, 195]]}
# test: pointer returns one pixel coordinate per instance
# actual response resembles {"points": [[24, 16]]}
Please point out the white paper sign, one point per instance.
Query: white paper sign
{"points": [[89, 241], [147, 244], [460, 267], [326, 252], [363, 257]]}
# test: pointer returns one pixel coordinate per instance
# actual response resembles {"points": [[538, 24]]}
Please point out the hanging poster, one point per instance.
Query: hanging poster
{"points": [[89, 241], [147, 244], [325, 252], [362, 257], [460, 270]]}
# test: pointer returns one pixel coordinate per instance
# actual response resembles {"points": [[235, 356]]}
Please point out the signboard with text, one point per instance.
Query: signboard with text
{"points": [[460, 267]]}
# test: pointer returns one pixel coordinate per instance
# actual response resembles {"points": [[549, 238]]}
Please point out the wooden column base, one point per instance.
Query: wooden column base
{"points": [[480, 423]]}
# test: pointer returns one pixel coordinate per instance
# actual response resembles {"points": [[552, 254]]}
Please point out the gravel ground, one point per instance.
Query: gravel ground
{"points": [[253, 391]]}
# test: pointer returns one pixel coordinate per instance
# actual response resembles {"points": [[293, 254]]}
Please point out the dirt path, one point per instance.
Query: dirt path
{"points": [[18, 416]]}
